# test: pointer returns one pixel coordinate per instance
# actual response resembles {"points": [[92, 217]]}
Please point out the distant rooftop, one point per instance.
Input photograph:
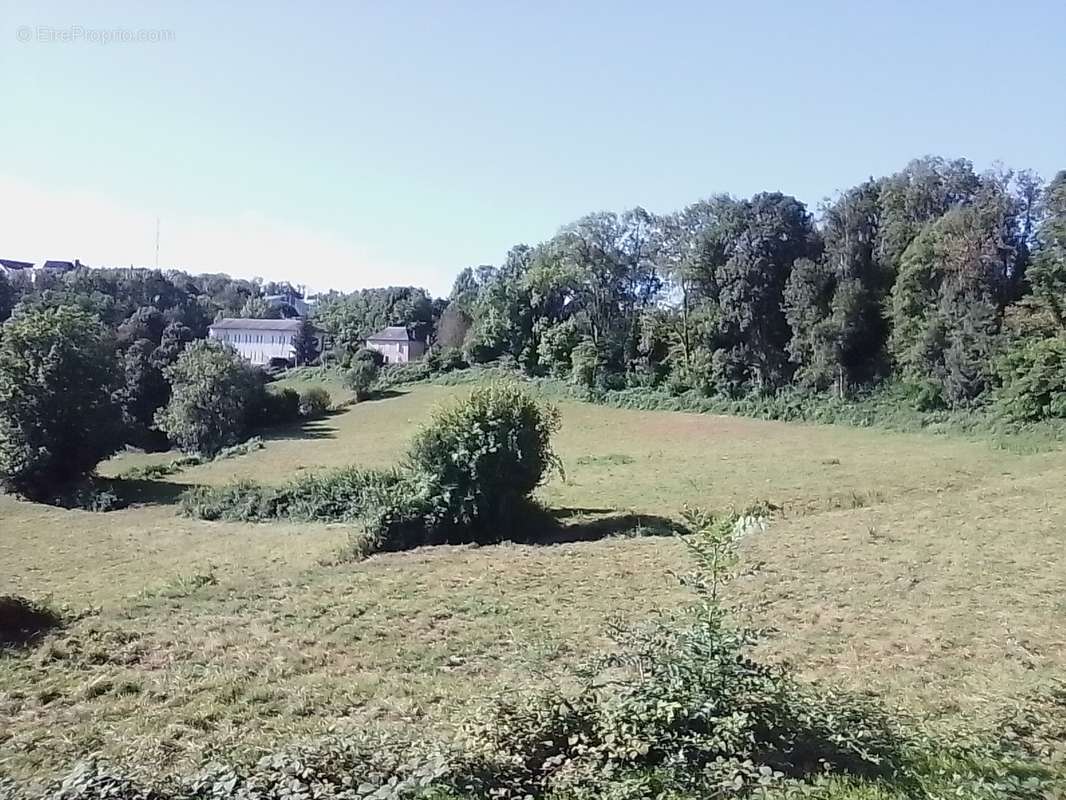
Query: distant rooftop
{"points": [[258, 324], [9, 264], [393, 333]]}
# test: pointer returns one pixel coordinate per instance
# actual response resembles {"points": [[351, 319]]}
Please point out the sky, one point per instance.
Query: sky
{"points": [[374, 143]]}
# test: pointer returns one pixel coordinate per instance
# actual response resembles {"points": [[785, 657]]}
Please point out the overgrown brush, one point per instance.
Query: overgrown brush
{"points": [[336, 496], [891, 407], [315, 403]]}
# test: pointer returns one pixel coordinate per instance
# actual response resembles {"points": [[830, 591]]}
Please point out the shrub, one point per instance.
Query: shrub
{"points": [[90, 497], [369, 354], [1034, 381], [276, 408], [441, 360], [586, 367], [398, 374], [314, 402], [214, 397], [341, 495], [57, 416], [361, 377], [485, 454]]}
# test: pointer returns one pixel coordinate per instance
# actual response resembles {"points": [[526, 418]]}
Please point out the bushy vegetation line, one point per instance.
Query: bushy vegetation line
{"points": [[679, 708], [889, 407], [467, 477]]}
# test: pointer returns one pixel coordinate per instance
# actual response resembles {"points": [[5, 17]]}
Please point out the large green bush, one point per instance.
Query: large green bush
{"points": [[214, 398], [1034, 381], [484, 455], [57, 416], [276, 407], [315, 402], [361, 377]]}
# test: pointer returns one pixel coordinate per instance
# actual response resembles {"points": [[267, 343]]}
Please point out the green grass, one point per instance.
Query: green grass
{"points": [[925, 567]]}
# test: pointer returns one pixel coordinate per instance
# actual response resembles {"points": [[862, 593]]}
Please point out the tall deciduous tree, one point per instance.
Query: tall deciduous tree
{"points": [[1048, 272], [57, 416], [839, 333], [751, 286]]}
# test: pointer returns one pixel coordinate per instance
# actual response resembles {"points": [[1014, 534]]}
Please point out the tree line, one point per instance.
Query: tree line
{"points": [[944, 281]]}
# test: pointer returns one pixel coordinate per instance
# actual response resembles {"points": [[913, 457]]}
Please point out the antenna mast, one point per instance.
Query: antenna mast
{"points": [[157, 242]]}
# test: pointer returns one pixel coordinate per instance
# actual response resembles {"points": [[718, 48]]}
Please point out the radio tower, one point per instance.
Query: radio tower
{"points": [[157, 242]]}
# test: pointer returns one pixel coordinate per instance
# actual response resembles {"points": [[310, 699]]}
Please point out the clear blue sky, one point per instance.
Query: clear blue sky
{"points": [[382, 142]]}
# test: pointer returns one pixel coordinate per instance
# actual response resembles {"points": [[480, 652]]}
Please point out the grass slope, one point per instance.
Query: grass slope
{"points": [[926, 567]]}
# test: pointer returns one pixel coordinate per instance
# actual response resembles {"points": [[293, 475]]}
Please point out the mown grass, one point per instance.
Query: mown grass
{"points": [[927, 568]]}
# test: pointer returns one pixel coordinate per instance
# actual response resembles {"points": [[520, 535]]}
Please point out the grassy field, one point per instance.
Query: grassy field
{"points": [[926, 568]]}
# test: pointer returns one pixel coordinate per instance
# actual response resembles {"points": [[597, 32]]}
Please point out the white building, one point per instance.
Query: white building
{"points": [[396, 345], [259, 340], [12, 268], [291, 300]]}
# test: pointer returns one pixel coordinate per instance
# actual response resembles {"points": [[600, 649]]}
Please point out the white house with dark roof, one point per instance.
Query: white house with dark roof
{"points": [[11, 268], [396, 344], [259, 340]]}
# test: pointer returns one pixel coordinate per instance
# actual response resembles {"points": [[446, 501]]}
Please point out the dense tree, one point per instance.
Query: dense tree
{"points": [[1034, 380], [147, 322], [57, 416], [468, 283], [350, 319], [1048, 272], [953, 282], [923, 191], [214, 395], [453, 326], [259, 308], [503, 312], [834, 305], [144, 391], [608, 275], [306, 343], [750, 289]]}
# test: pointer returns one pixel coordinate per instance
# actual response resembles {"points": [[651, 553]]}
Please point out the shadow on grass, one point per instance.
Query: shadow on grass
{"points": [[22, 621], [543, 526], [385, 394], [604, 525], [147, 491], [309, 429]]}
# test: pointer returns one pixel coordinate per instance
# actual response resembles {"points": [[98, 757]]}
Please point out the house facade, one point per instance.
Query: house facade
{"points": [[259, 340], [30, 271], [12, 268], [396, 345]]}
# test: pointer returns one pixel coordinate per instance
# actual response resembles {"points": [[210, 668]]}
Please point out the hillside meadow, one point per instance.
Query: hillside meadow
{"points": [[924, 568]]}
